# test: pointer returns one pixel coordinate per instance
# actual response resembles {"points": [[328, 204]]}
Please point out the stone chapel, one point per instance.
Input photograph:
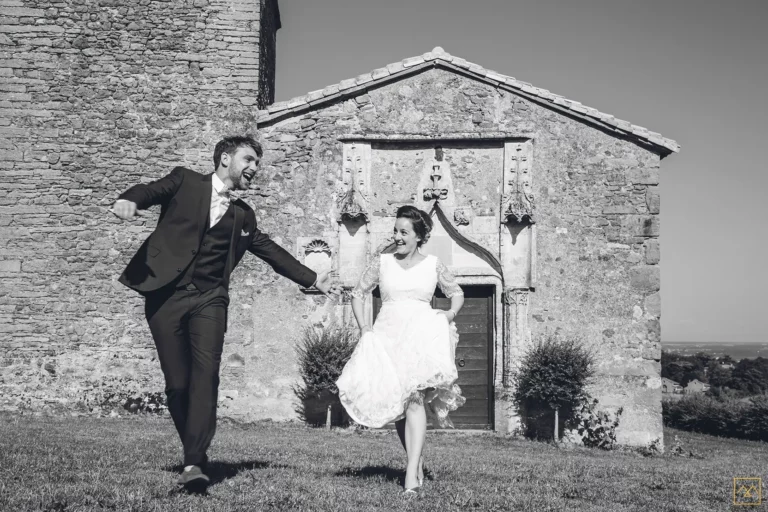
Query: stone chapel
{"points": [[546, 210]]}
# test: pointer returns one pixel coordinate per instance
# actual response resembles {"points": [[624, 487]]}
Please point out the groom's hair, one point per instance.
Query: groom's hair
{"points": [[229, 145]]}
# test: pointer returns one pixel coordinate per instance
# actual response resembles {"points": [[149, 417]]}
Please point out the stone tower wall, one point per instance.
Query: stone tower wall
{"points": [[96, 95]]}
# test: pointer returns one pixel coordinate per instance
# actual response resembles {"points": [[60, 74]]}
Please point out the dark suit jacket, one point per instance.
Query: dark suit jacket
{"points": [[185, 199]]}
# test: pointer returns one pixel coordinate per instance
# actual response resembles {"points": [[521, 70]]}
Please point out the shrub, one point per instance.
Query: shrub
{"points": [[112, 394], [753, 424], [728, 417], [552, 377], [596, 428], [151, 403], [322, 354]]}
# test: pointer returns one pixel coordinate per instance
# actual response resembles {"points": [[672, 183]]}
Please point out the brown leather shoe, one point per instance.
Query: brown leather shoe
{"points": [[193, 479]]}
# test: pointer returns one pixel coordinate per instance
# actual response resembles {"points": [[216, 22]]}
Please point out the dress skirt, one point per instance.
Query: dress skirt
{"points": [[408, 356]]}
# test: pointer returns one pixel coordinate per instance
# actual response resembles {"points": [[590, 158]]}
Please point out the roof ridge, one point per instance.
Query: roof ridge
{"points": [[438, 55]]}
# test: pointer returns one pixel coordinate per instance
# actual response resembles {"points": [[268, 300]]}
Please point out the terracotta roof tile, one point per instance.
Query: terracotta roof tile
{"points": [[437, 56], [413, 61], [379, 73], [347, 84]]}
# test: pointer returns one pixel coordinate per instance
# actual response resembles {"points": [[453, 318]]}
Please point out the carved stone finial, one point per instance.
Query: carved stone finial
{"points": [[352, 203], [518, 206], [435, 191], [518, 203]]}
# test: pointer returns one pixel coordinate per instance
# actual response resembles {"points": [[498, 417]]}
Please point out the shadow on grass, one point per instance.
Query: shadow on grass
{"points": [[385, 472], [220, 471]]}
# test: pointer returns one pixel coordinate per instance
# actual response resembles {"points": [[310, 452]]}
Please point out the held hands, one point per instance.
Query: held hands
{"points": [[364, 329], [325, 285]]}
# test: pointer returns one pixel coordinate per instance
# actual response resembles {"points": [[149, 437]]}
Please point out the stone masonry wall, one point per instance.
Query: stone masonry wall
{"points": [[597, 215], [94, 97]]}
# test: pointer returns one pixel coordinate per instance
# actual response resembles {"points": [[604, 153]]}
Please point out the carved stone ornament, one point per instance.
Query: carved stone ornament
{"points": [[460, 217], [515, 334], [516, 297], [316, 254], [517, 204], [352, 203], [436, 190], [317, 246]]}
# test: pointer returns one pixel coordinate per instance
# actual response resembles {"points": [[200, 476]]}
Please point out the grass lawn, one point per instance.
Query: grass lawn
{"points": [[131, 464]]}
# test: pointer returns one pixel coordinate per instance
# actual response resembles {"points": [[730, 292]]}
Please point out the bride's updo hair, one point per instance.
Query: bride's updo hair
{"points": [[422, 223]]}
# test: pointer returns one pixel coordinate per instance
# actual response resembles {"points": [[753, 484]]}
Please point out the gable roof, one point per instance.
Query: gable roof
{"points": [[438, 58]]}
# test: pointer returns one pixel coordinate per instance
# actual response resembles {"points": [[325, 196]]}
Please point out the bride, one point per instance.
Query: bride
{"points": [[403, 368]]}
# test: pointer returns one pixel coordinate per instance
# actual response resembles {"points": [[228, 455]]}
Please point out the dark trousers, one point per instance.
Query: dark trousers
{"points": [[188, 328]]}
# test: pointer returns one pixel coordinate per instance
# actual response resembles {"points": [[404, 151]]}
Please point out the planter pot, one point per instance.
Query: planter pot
{"points": [[315, 409]]}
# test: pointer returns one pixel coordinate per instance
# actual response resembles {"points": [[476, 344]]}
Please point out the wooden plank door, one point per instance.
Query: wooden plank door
{"points": [[473, 354]]}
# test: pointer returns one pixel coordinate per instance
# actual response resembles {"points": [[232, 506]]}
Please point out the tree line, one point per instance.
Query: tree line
{"points": [[746, 377]]}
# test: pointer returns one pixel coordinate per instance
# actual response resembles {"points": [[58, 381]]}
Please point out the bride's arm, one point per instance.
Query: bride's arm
{"points": [[457, 302], [357, 309], [451, 289], [367, 283]]}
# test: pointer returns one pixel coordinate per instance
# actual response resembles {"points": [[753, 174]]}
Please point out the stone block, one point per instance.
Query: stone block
{"points": [[653, 200], [619, 209], [613, 164], [645, 278], [10, 266], [640, 226], [643, 176], [653, 305], [652, 252], [628, 367]]}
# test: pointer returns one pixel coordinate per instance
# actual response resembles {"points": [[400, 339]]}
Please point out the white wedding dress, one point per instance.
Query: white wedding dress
{"points": [[410, 353]]}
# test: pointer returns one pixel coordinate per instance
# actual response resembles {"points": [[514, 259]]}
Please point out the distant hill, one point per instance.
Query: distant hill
{"points": [[736, 350]]}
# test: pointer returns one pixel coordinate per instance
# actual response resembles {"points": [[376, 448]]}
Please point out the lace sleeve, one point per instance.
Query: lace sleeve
{"points": [[447, 281], [368, 280]]}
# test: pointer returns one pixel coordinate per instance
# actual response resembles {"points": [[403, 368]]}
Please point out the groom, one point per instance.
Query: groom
{"points": [[183, 271]]}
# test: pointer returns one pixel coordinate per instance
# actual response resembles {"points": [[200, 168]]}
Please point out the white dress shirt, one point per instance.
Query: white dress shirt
{"points": [[219, 200]]}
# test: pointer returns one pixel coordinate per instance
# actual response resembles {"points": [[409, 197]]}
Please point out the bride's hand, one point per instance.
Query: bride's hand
{"points": [[449, 315], [365, 330]]}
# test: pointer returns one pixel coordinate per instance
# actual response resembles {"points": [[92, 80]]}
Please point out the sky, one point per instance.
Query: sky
{"points": [[695, 71]]}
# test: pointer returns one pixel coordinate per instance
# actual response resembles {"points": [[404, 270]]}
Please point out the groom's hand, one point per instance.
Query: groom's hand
{"points": [[125, 209], [325, 285]]}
